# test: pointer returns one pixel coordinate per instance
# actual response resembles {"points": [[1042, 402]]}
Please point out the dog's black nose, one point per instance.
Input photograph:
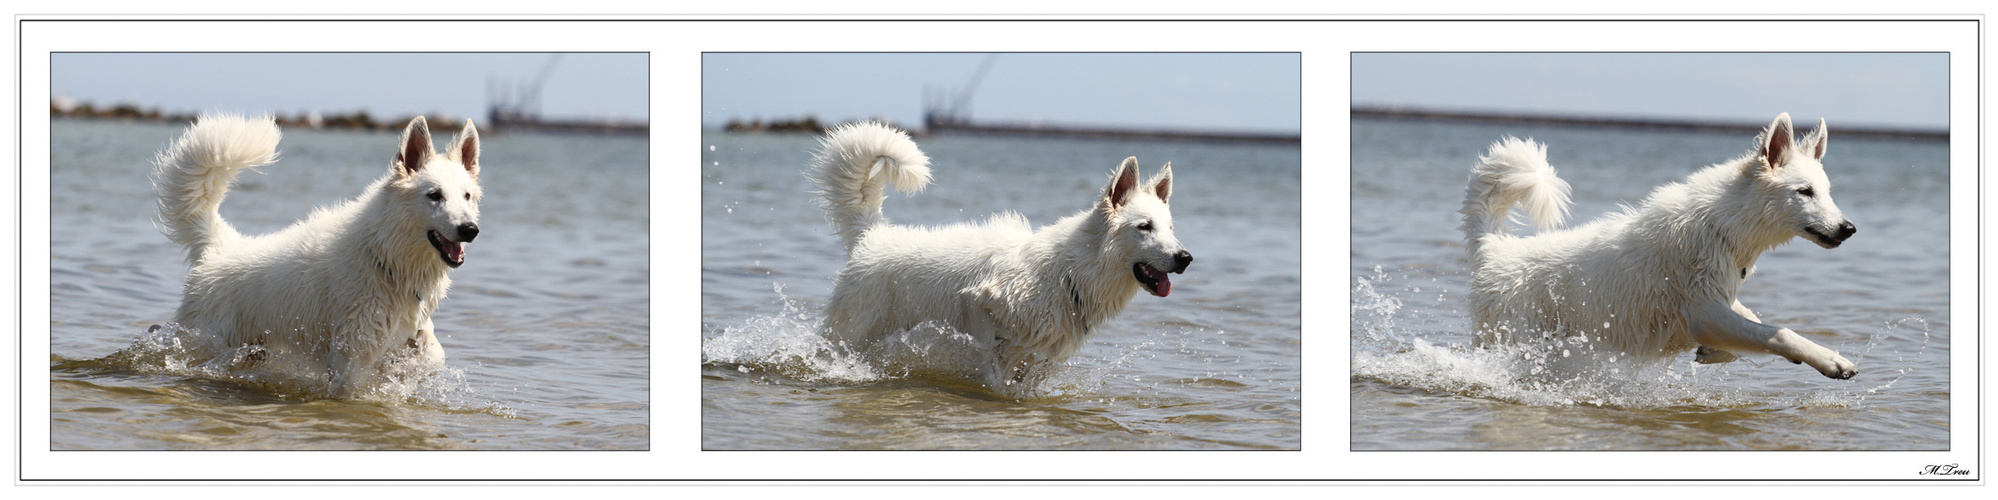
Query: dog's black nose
{"points": [[467, 231], [1845, 230], [1180, 260]]}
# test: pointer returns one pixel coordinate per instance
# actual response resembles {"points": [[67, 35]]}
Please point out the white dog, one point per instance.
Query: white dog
{"points": [[334, 299], [1656, 279], [1034, 294]]}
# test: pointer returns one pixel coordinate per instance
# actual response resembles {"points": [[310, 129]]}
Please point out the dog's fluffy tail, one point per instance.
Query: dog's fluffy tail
{"points": [[193, 175], [854, 165], [1513, 172]]}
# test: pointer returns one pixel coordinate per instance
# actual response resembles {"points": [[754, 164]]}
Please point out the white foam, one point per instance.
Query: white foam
{"points": [[1563, 372], [173, 351], [787, 346]]}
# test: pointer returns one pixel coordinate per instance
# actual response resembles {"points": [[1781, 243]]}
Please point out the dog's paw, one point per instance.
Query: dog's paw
{"points": [[1835, 366], [1709, 355]]}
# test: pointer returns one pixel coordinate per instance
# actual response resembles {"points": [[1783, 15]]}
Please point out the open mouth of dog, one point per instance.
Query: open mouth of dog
{"points": [[1822, 239], [452, 252], [1154, 280]]}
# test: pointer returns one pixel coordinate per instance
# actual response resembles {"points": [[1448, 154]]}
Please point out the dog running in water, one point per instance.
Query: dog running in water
{"points": [[341, 299], [1036, 295], [1656, 279]]}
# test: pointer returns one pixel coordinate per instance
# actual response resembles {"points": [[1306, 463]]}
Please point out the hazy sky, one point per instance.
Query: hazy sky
{"points": [[1254, 92], [595, 85], [1898, 90], [1232, 91]]}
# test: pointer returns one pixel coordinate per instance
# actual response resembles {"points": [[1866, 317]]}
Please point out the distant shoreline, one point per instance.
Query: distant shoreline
{"points": [[361, 120], [1392, 113], [941, 126]]}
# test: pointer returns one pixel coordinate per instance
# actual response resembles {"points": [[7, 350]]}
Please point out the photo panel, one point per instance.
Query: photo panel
{"points": [[313, 227], [1566, 336], [1022, 298]]}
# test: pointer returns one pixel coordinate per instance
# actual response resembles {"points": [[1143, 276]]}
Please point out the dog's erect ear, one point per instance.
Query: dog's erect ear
{"points": [[1122, 184], [1776, 141], [415, 150], [1161, 183], [1816, 141], [465, 148]]}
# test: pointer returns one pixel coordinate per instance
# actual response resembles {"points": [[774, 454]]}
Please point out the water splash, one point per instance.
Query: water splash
{"points": [[786, 347], [1167, 367], [169, 350], [1906, 361], [449, 388], [1563, 371], [1379, 308]]}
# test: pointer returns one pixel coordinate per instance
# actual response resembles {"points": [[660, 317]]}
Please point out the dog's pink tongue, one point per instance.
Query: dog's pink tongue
{"points": [[1164, 285], [455, 249]]}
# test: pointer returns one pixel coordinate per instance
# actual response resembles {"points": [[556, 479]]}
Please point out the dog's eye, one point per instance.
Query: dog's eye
{"points": [[468, 195], [1807, 192], [1145, 226], [436, 195]]}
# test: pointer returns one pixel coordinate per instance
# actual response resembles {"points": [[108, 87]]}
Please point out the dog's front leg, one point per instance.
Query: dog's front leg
{"points": [[1744, 312], [418, 355], [344, 377], [1709, 355], [1728, 328], [353, 363], [425, 343]]}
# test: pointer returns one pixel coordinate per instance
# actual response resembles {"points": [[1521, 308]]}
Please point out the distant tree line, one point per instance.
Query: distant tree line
{"points": [[356, 120], [809, 124]]}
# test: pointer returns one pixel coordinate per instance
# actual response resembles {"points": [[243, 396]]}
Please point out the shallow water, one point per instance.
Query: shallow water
{"points": [[1881, 300], [545, 328], [1213, 366]]}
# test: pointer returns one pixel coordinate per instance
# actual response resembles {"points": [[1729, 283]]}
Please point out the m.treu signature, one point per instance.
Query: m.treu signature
{"points": [[1944, 470]]}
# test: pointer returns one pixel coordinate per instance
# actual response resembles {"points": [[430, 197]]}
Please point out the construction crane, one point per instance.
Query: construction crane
{"points": [[514, 103], [958, 110]]}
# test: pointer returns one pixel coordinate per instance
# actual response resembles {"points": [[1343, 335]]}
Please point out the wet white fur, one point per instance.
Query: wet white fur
{"points": [[1663, 275], [334, 297], [1036, 294]]}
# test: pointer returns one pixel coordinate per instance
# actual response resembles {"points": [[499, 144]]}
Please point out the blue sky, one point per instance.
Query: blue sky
{"points": [[592, 85], [1875, 89], [1208, 91]]}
